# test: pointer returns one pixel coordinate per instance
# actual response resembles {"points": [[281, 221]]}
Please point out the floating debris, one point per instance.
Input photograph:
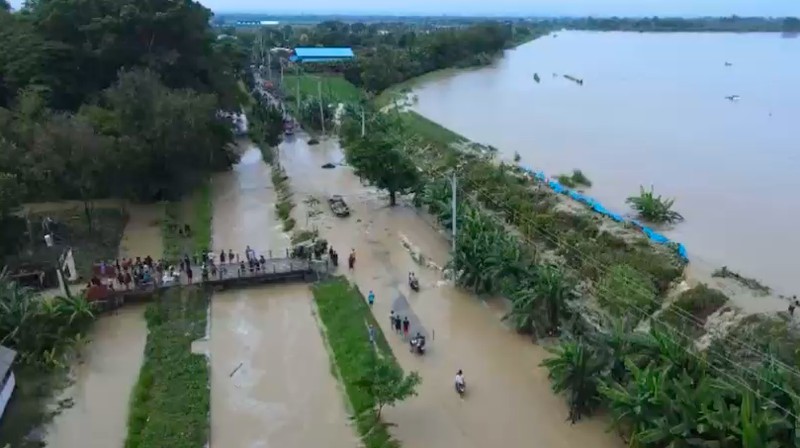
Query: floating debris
{"points": [[733, 97], [329, 166], [574, 79], [727, 64], [536, 78]]}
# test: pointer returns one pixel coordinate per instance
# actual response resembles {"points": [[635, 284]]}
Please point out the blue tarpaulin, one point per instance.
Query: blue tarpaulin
{"points": [[599, 208]]}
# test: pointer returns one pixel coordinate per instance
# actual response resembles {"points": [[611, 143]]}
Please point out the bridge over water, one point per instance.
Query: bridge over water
{"points": [[228, 275]]}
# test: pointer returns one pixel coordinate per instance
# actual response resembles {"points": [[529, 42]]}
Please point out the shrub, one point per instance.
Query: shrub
{"points": [[654, 208]]}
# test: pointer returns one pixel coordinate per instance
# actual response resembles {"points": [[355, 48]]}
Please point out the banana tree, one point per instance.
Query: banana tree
{"points": [[576, 369], [541, 302]]}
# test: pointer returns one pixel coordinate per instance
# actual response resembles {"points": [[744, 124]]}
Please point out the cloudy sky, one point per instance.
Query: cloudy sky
{"points": [[514, 7]]}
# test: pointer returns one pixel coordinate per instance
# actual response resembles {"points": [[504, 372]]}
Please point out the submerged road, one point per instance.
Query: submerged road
{"points": [[509, 402], [271, 384]]}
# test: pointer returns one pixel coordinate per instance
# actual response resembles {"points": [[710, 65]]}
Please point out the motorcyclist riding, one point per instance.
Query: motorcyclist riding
{"points": [[418, 343]]}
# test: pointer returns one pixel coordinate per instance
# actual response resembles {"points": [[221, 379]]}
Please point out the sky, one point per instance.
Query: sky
{"points": [[777, 8]]}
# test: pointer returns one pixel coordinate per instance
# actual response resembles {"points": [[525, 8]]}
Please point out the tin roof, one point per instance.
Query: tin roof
{"points": [[323, 52], [6, 360]]}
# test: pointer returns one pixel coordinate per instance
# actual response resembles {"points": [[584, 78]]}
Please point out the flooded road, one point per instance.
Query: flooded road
{"points": [[271, 381], [509, 402], [652, 111], [103, 382]]}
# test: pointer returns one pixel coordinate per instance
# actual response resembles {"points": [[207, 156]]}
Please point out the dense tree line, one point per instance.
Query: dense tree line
{"points": [[667, 24], [104, 98], [389, 53]]}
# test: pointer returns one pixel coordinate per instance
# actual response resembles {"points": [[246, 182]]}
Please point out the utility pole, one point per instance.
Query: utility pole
{"points": [[281, 74], [297, 97], [454, 185], [363, 124], [269, 64], [321, 109]]}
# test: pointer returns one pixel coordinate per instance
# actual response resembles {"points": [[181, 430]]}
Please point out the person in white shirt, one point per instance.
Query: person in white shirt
{"points": [[460, 383]]}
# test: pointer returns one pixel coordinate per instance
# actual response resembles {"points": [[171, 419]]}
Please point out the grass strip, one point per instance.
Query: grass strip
{"points": [[284, 203], [344, 313], [197, 210], [201, 218], [333, 87], [430, 130], [170, 403]]}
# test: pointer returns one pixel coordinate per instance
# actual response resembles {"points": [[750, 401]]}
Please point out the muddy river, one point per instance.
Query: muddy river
{"points": [[271, 382], [652, 110], [104, 380], [509, 402]]}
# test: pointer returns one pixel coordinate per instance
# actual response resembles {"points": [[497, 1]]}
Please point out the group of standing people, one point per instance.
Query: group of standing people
{"points": [[400, 324]]}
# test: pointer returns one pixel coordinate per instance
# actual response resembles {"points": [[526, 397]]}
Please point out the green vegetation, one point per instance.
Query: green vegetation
{"points": [[654, 208], [265, 127], [89, 243], [284, 204], [690, 310], [379, 159], [576, 179], [333, 88], [170, 402], [47, 333], [371, 376], [301, 236], [98, 114], [196, 210]]}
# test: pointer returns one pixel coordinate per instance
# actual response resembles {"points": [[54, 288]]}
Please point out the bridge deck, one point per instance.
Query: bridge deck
{"points": [[228, 275]]}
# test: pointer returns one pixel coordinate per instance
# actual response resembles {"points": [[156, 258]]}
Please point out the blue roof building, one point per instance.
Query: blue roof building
{"points": [[321, 54]]}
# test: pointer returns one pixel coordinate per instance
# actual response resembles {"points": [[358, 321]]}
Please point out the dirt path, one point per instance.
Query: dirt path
{"points": [[271, 382], [509, 402], [104, 380]]}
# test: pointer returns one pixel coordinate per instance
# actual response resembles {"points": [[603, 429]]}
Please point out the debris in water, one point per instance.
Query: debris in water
{"points": [[313, 141], [235, 370], [727, 64], [536, 78], [733, 97], [574, 79], [329, 166]]}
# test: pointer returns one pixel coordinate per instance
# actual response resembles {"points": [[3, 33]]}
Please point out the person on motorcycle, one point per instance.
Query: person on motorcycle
{"points": [[418, 342], [460, 383]]}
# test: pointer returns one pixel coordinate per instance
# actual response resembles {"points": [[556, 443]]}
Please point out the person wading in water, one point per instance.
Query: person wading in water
{"points": [[351, 260]]}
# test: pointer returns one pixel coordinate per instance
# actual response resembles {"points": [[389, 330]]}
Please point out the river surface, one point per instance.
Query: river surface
{"points": [[110, 365], [271, 381], [652, 111], [509, 402]]}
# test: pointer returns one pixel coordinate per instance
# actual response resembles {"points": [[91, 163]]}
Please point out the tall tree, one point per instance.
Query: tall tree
{"points": [[378, 159], [386, 383]]}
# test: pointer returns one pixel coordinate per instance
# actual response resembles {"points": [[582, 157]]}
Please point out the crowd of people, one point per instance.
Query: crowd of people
{"points": [[144, 273]]}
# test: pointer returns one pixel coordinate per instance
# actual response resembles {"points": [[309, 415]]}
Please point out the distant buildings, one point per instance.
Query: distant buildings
{"points": [[247, 23], [321, 54]]}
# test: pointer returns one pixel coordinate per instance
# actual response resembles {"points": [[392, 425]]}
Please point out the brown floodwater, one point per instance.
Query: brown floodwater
{"points": [[271, 380], [652, 111], [110, 365], [509, 402]]}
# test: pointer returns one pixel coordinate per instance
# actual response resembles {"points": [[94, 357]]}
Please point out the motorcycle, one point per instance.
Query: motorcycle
{"points": [[461, 389], [417, 346], [413, 283]]}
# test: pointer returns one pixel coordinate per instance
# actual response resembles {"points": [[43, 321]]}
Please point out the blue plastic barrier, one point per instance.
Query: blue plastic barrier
{"points": [[599, 208]]}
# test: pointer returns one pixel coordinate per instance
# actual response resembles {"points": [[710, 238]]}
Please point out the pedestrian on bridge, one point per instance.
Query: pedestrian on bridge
{"points": [[371, 298], [351, 261], [406, 324]]}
